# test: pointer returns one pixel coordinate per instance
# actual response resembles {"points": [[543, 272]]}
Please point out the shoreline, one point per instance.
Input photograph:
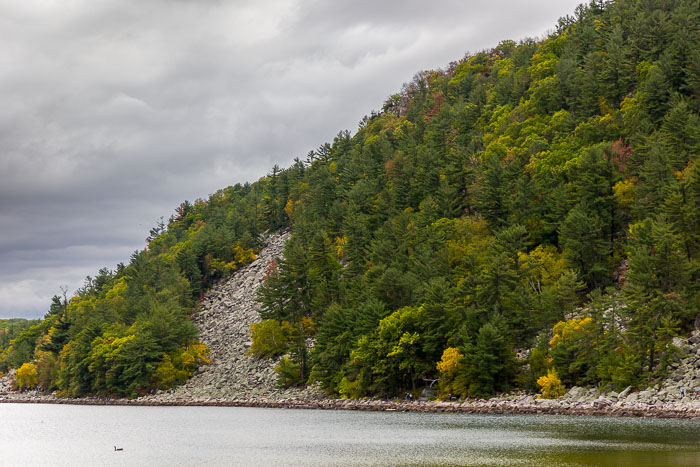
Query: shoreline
{"points": [[501, 407]]}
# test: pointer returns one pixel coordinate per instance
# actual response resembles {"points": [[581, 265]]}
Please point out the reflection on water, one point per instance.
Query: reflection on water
{"points": [[85, 435]]}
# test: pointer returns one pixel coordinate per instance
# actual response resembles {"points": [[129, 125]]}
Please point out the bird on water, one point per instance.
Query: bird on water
{"points": [[118, 449]]}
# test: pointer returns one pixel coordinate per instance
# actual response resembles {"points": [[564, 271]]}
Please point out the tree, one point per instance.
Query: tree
{"points": [[390, 360], [288, 373], [26, 376], [286, 292], [654, 292], [584, 246], [492, 199], [449, 366], [551, 385], [489, 364], [269, 338], [574, 352]]}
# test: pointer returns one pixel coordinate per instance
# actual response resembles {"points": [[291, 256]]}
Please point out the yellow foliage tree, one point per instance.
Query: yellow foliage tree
{"points": [[26, 376], [551, 385], [624, 192], [570, 329], [179, 365], [542, 267], [243, 256], [449, 366], [340, 244], [308, 326], [194, 355], [290, 207], [449, 363], [166, 374]]}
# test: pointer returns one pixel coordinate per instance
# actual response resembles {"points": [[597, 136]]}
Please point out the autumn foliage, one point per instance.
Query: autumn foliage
{"points": [[26, 376], [540, 195]]}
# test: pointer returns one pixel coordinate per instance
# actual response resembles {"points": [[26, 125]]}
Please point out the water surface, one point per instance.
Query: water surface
{"points": [[86, 435]]}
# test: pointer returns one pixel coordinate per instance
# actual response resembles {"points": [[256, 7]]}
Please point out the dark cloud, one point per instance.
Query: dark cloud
{"points": [[115, 112]]}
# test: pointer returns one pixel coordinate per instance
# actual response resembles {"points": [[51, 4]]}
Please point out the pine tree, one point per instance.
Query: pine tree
{"points": [[584, 245], [654, 289], [492, 198], [489, 362]]}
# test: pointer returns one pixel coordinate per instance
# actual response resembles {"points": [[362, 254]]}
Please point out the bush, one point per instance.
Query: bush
{"points": [[26, 376], [269, 339], [349, 389], [551, 385], [288, 373]]}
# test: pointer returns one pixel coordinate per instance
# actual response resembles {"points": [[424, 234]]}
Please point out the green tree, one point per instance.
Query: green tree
{"points": [[582, 240], [269, 339], [654, 289], [489, 364]]}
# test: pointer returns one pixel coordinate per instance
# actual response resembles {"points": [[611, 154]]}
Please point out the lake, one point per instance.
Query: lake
{"points": [[86, 435]]}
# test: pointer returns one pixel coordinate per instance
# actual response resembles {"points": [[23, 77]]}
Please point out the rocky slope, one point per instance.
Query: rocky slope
{"points": [[223, 319]]}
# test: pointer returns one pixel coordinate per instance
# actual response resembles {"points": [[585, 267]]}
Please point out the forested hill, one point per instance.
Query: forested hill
{"points": [[541, 194]]}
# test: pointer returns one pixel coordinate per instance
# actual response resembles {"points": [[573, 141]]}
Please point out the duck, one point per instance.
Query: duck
{"points": [[118, 449]]}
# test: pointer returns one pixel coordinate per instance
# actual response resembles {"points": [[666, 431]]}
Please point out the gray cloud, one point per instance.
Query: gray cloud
{"points": [[115, 112]]}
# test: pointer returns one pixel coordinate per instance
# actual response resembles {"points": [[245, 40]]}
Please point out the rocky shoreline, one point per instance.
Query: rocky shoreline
{"points": [[522, 406]]}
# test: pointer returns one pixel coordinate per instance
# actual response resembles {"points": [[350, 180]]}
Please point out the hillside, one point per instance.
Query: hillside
{"points": [[540, 195]]}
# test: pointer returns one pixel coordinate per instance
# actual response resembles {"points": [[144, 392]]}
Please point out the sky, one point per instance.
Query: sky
{"points": [[114, 112]]}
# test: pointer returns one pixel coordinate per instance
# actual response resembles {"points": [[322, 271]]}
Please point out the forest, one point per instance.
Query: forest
{"points": [[528, 213]]}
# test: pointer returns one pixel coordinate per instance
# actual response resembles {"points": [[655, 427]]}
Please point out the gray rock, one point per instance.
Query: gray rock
{"points": [[601, 402], [624, 393], [681, 343], [427, 392], [575, 393]]}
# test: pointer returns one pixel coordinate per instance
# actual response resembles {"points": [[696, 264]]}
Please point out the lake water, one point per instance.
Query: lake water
{"points": [[86, 435]]}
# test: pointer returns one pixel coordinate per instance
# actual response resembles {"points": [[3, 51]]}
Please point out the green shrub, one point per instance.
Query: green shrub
{"points": [[269, 339]]}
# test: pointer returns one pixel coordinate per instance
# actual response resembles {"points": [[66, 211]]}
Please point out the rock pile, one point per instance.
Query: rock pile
{"points": [[684, 374], [223, 319], [5, 384]]}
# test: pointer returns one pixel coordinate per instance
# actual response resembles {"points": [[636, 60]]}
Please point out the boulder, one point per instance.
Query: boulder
{"points": [[575, 393], [681, 343], [427, 393], [625, 392], [601, 402]]}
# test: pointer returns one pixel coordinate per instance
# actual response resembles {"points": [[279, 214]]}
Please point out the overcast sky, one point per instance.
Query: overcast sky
{"points": [[114, 112]]}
